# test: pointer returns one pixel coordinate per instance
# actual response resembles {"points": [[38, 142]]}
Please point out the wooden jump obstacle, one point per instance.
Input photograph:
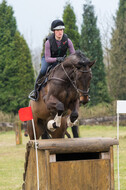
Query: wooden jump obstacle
{"points": [[71, 164]]}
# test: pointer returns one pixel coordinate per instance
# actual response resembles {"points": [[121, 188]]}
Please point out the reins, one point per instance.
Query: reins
{"points": [[75, 87]]}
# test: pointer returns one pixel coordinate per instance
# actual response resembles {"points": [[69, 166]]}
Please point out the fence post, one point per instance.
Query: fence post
{"points": [[18, 134]]}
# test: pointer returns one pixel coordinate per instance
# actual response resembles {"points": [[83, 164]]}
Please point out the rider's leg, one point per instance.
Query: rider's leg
{"points": [[34, 95], [44, 66]]}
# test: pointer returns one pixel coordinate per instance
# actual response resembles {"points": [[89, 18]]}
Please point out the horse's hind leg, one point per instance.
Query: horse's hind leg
{"points": [[67, 134], [46, 135], [25, 129], [75, 131], [30, 130]]}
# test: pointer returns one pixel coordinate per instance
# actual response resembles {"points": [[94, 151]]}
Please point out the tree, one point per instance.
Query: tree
{"points": [[7, 32], [71, 28], [91, 45], [16, 71], [117, 78]]}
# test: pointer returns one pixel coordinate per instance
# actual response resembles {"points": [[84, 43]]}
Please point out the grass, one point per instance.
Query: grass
{"points": [[12, 156], [4, 117], [11, 161]]}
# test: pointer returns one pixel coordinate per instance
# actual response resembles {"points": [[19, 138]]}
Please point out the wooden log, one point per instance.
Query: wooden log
{"points": [[76, 145]]}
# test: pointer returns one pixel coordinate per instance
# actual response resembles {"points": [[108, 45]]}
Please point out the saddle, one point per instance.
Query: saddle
{"points": [[42, 82]]}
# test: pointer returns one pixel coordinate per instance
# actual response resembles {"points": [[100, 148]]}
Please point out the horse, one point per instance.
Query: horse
{"points": [[58, 104]]}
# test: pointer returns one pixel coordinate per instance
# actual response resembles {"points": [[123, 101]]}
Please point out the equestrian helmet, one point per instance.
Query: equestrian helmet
{"points": [[57, 25]]}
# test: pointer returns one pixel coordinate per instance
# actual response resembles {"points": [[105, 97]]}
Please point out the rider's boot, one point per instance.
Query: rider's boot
{"points": [[35, 93]]}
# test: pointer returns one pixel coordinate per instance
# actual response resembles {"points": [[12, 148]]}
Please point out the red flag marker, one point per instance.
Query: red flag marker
{"points": [[25, 114]]}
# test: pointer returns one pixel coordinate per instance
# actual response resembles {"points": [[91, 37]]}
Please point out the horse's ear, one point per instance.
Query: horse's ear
{"points": [[91, 63], [81, 63]]}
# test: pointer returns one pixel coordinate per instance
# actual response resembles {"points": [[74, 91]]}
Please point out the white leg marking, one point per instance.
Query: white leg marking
{"points": [[50, 125], [70, 124], [57, 119]]}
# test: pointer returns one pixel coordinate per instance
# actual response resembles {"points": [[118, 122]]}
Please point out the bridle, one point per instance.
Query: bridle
{"points": [[85, 93], [73, 83]]}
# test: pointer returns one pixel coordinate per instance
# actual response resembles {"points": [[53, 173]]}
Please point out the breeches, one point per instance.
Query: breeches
{"points": [[45, 65]]}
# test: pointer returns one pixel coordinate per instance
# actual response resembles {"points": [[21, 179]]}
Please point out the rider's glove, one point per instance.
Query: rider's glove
{"points": [[60, 59]]}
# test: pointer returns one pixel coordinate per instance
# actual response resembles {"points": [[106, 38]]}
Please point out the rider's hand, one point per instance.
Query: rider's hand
{"points": [[60, 59]]}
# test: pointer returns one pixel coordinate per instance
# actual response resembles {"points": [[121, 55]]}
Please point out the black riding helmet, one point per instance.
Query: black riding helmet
{"points": [[57, 25]]}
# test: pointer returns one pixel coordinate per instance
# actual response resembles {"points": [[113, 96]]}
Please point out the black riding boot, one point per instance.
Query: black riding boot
{"points": [[34, 95]]}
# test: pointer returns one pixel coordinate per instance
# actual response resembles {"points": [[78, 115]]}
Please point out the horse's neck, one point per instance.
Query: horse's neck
{"points": [[63, 72]]}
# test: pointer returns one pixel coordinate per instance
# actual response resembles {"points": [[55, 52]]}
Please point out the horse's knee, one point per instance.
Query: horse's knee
{"points": [[60, 108], [73, 116]]}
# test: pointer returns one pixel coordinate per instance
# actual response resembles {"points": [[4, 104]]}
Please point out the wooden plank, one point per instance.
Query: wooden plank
{"points": [[76, 145], [80, 175], [47, 160], [30, 179], [53, 158], [31, 173], [104, 155]]}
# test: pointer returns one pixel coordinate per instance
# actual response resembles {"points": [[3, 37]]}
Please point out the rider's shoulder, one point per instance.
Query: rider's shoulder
{"points": [[50, 37]]}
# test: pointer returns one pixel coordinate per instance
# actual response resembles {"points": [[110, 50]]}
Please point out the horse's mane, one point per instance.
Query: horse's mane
{"points": [[81, 55], [74, 58]]}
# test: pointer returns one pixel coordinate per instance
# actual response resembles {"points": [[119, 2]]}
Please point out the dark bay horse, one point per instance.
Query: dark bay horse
{"points": [[58, 105]]}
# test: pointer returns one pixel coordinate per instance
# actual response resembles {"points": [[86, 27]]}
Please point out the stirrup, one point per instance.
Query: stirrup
{"points": [[33, 97]]}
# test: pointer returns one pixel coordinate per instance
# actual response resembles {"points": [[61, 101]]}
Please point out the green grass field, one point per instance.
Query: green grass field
{"points": [[12, 156]]}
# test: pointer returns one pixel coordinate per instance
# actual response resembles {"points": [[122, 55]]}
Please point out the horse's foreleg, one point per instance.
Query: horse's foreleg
{"points": [[55, 123], [73, 118], [74, 113], [71, 124], [53, 104]]}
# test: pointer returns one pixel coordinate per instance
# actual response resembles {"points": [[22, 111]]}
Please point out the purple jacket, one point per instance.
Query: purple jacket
{"points": [[48, 57]]}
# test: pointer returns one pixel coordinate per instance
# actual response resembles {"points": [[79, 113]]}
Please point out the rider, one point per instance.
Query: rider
{"points": [[55, 51]]}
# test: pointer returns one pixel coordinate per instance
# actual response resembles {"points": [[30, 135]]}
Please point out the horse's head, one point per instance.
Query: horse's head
{"points": [[83, 78]]}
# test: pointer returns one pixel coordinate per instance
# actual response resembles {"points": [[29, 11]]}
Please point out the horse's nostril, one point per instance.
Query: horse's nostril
{"points": [[85, 100]]}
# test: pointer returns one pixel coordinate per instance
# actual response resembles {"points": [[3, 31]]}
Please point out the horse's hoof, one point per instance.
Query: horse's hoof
{"points": [[55, 126], [50, 126]]}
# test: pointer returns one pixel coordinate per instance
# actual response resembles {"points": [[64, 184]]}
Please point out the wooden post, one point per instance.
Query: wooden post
{"points": [[18, 134]]}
